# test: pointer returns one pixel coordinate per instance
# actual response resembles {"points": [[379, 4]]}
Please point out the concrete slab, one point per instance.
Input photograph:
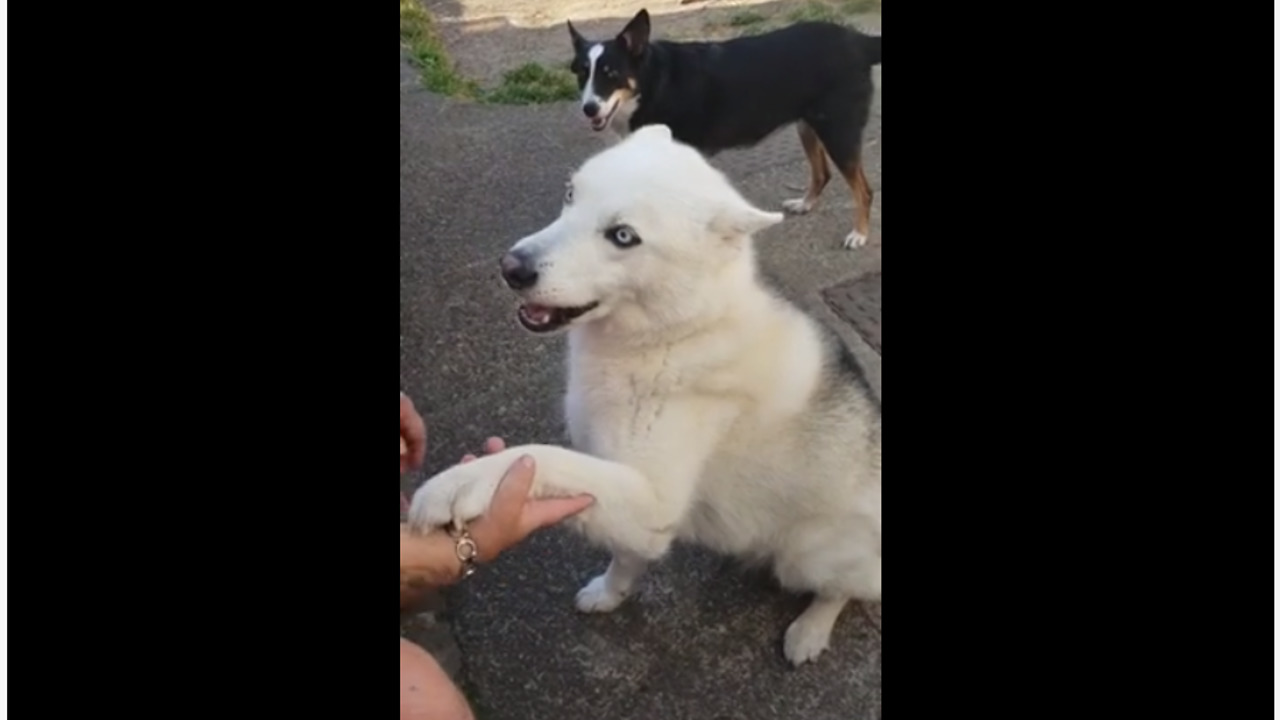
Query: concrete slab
{"points": [[701, 639]]}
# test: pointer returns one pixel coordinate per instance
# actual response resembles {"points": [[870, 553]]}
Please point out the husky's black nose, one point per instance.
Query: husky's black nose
{"points": [[590, 109], [518, 272]]}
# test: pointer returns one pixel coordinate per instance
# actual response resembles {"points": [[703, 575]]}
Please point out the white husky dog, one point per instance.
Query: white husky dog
{"points": [[703, 407]]}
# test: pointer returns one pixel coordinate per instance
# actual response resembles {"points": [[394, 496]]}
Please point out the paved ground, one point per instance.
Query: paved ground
{"points": [[702, 639]]}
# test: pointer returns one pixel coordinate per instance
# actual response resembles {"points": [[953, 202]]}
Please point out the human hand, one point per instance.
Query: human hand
{"points": [[413, 436], [513, 515], [491, 446]]}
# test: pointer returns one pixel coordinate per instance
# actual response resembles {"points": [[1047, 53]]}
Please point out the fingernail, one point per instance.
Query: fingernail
{"points": [[526, 461]]}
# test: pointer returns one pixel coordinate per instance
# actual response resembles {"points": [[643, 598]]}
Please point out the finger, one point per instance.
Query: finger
{"points": [[418, 446], [539, 514], [507, 503], [500, 527], [467, 458], [414, 431], [415, 450], [494, 445]]}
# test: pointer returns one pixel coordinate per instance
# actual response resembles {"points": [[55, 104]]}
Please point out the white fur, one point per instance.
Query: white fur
{"points": [[854, 239], [699, 402], [799, 206], [588, 90]]}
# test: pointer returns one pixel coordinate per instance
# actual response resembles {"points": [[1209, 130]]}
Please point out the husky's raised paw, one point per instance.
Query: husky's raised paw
{"points": [[458, 495]]}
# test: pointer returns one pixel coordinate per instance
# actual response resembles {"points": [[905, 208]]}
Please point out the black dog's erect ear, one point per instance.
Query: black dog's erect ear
{"points": [[579, 42], [635, 36]]}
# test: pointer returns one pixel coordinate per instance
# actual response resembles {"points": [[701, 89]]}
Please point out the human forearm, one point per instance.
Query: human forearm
{"points": [[426, 561]]}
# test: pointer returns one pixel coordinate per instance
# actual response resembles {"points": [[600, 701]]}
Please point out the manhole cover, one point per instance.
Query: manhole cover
{"points": [[857, 302]]}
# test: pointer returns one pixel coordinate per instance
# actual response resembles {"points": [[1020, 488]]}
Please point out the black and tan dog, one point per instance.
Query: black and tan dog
{"points": [[720, 95]]}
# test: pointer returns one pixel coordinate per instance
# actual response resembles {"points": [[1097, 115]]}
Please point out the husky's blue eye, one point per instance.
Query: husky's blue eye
{"points": [[623, 236]]}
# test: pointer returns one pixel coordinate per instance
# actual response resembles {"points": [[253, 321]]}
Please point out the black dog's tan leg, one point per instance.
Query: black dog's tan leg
{"points": [[839, 121], [819, 173], [862, 196]]}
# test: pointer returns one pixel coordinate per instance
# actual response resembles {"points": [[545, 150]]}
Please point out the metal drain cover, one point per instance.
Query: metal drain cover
{"points": [[857, 302]]}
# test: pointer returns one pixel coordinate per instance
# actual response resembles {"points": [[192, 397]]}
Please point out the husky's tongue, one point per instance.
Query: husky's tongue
{"points": [[536, 314]]}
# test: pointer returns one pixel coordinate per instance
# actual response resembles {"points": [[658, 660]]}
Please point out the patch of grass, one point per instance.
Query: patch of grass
{"points": [[749, 22], [859, 7], [753, 30], [528, 84], [739, 24], [532, 83], [842, 13], [814, 11], [742, 19], [418, 34]]}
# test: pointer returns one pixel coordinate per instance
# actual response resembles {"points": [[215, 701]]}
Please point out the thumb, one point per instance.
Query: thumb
{"points": [[512, 490], [499, 527]]}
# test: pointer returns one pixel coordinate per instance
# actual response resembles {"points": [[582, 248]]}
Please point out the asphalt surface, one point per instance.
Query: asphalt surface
{"points": [[702, 637]]}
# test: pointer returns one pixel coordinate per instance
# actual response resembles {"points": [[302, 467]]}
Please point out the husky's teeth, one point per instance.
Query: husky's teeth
{"points": [[537, 316]]}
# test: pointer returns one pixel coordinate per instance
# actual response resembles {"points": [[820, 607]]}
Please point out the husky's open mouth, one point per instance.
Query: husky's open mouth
{"points": [[543, 319]]}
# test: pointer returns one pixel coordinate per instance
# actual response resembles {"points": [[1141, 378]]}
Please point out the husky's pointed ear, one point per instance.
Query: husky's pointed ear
{"points": [[579, 42], [741, 219], [635, 36]]}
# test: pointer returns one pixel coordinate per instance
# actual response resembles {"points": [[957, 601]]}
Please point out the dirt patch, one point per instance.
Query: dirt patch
{"points": [[488, 38]]}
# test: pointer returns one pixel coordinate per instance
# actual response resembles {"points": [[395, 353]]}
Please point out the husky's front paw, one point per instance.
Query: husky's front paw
{"points": [[596, 597], [805, 640], [457, 495]]}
